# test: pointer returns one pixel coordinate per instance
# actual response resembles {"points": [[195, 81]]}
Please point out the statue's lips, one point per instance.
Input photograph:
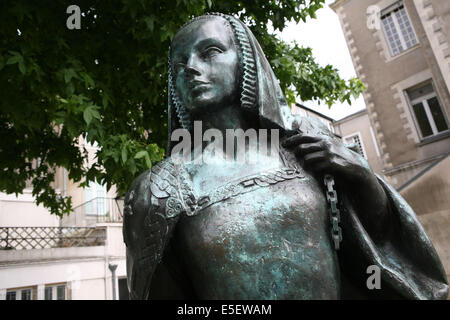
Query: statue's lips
{"points": [[199, 87]]}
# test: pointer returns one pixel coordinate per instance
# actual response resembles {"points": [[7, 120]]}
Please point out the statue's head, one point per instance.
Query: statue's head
{"points": [[205, 64], [215, 61], [211, 65]]}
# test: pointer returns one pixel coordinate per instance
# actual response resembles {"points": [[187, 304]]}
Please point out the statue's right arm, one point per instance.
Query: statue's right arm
{"points": [[146, 231]]}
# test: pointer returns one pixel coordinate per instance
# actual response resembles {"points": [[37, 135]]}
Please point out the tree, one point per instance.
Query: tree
{"points": [[107, 83]]}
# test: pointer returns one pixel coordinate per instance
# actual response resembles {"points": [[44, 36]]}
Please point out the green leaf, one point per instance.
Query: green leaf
{"points": [[22, 67], [16, 57], [105, 100], [150, 22], [147, 161], [116, 157], [124, 154], [90, 113], [141, 154], [132, 167], [69, 74], [88, 81]]}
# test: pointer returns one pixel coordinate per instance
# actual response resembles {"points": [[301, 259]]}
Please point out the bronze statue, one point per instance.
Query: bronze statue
{"points": [[262, 230]]}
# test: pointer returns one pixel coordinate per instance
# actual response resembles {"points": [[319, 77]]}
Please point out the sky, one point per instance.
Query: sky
{"points": [[326, 38]]}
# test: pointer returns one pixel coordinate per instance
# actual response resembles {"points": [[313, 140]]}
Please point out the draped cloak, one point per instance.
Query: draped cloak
{"points": [[409, 265]]}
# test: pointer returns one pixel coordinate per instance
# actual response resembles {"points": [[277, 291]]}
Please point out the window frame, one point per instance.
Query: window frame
{"points": [[54, 290], [51, 292], [19, 291], [395, 5], [358, 134], [424, 100], [92, 208], [11, 292]]}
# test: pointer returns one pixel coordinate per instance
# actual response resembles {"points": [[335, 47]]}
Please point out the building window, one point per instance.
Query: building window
{"points": [[397, 28], [26, 294], [61, 292], [55, 292], [20, 294], [427, 110], [96, 203], [48, 293], [11, 295], [355, 143]]}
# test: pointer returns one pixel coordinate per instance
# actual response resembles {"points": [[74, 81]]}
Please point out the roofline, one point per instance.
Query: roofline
{"points": [[337, 4], [353, 115], [315, 112]]}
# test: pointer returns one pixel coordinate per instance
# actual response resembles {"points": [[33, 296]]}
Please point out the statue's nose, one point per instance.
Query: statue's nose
{"points": [[193, 66]]}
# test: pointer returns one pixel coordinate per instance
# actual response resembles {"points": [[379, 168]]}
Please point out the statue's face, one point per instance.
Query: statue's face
{"points": [[205, 65]]}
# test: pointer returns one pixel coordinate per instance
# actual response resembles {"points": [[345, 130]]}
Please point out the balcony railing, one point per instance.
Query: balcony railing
{"points": [[19, 238], [97, 210]]}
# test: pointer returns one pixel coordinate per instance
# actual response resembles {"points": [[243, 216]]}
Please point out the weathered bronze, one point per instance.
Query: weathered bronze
{"points": [[261, 230]]}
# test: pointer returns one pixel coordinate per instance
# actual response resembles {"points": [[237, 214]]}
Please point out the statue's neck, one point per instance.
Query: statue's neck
{"points": [[241, 142], [230, 117]]}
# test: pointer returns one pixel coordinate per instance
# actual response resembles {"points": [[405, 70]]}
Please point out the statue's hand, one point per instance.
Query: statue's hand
{"points": [[325, 154]]}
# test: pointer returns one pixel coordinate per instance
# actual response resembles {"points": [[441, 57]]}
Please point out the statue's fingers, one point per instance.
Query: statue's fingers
{"points": [[300, 138], [314, 157], [306, 148]]}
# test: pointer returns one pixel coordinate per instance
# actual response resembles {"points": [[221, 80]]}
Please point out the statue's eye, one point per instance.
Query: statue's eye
{"points": [[211, 52]]}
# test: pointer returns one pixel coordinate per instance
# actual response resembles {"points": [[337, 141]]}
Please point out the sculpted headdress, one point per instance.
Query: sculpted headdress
{"points": [[260, 92]]}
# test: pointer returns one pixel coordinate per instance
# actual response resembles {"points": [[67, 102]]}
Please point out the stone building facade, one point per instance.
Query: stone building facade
{"points": [[400, 50]]}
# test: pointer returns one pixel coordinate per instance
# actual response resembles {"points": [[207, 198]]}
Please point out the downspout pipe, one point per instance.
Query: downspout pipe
{"points": [[113, 268]]}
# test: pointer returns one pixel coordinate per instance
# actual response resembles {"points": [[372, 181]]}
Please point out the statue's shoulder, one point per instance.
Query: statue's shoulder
{"points": [[156, 182], [147, 197], [147, 228]]}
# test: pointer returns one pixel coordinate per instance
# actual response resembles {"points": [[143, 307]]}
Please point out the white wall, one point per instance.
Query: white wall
{"points": [[22, 211], [84, 269], [20, 268], [115, 246], [91, 289]]}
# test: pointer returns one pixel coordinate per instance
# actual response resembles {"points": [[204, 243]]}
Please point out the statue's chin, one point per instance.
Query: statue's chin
{"points": [[207, 103], [202, 106], [207, 100]]}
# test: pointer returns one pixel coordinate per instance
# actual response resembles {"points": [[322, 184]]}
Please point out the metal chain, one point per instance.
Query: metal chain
{"points": [[335, 218]]}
